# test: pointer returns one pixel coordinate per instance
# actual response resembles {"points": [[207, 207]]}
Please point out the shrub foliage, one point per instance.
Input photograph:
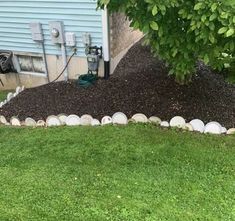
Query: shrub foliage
{"points": [[183, 31]]}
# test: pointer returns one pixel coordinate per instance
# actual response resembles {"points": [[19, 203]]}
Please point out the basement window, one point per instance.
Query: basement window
{"points": [[29, 64]]}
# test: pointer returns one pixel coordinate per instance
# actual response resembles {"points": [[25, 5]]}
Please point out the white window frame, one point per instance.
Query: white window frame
{"points": [[17, 65]]}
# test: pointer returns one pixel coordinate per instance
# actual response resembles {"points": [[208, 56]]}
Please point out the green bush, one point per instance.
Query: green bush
{"points": [[183, 31]]}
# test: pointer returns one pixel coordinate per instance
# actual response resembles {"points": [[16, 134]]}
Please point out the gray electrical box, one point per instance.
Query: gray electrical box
{"points": [[86, 39], [36, 30], [57, 32]]}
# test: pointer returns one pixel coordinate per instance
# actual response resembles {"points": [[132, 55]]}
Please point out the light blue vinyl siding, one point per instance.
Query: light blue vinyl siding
{"points": [[79, 16]]}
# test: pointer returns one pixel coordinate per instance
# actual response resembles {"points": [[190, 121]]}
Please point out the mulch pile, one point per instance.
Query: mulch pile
{"points": [[139, 85]]}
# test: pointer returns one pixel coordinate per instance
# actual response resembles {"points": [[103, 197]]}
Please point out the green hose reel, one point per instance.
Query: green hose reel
{"points": [[87, 80]]}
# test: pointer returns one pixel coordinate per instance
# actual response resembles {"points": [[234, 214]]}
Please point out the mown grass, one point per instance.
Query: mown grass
{"points": [[138, 172], [3, 95]]}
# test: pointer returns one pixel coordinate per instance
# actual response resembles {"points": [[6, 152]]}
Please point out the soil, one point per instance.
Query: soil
{"points": [[140, 84]]}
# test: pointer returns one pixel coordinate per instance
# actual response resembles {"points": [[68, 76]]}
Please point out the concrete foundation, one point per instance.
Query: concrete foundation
{"points": [[121, 35], [122, 38], [77, 66]]}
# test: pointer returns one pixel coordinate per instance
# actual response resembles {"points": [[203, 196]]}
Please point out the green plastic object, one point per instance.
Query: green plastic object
{"points": [[87, 80]]}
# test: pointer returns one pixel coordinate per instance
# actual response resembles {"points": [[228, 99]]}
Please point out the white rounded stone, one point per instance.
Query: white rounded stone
{"points": [[10, 96], [73, 120], [18, 90], [86, 120], [120, 118], [155, 120], [15, 94], [95, 122], [198, 125], [1, 104], [231, 131], [15, 122], [165, 124], [224, 130], [22, 88], [106, 120], [3, 120], [30, 122], [131, 121], [41, 123], [188, 127], [213, 128], [63, 118], [140, 118], [177, 122], [53, 121]]}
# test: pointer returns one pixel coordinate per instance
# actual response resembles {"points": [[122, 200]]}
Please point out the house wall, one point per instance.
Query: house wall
{"points": [[122, 37], [79, 16], [77, 66]]}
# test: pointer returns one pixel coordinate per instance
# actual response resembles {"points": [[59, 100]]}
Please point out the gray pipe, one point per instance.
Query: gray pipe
{"points": [[45, 61]]}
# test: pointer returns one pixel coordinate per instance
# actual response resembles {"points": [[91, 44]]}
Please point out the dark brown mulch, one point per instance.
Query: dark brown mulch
{"points": [[140, 84]]}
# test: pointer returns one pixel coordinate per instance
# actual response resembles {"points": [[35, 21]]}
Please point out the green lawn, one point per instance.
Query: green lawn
{"points": [[3, 95], [115, 173]]}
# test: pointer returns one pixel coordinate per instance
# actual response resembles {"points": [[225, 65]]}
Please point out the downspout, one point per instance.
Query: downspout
{"points": [[106, 42]]}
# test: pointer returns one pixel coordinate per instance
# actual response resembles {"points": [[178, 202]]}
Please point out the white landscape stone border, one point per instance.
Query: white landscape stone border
{"points": [[11, 95], [120, 118]]}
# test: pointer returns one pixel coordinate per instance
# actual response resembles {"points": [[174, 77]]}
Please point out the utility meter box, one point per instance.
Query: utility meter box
{"points": [[93, 62], [57, 32], [36, 30], [93, 58]]}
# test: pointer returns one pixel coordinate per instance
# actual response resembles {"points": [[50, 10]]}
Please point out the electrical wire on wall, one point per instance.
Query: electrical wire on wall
{"points": [[66, 66]]}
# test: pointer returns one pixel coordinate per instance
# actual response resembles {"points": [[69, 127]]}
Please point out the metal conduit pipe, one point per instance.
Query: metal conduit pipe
{"points": [[45, 61], [64, 58]]}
